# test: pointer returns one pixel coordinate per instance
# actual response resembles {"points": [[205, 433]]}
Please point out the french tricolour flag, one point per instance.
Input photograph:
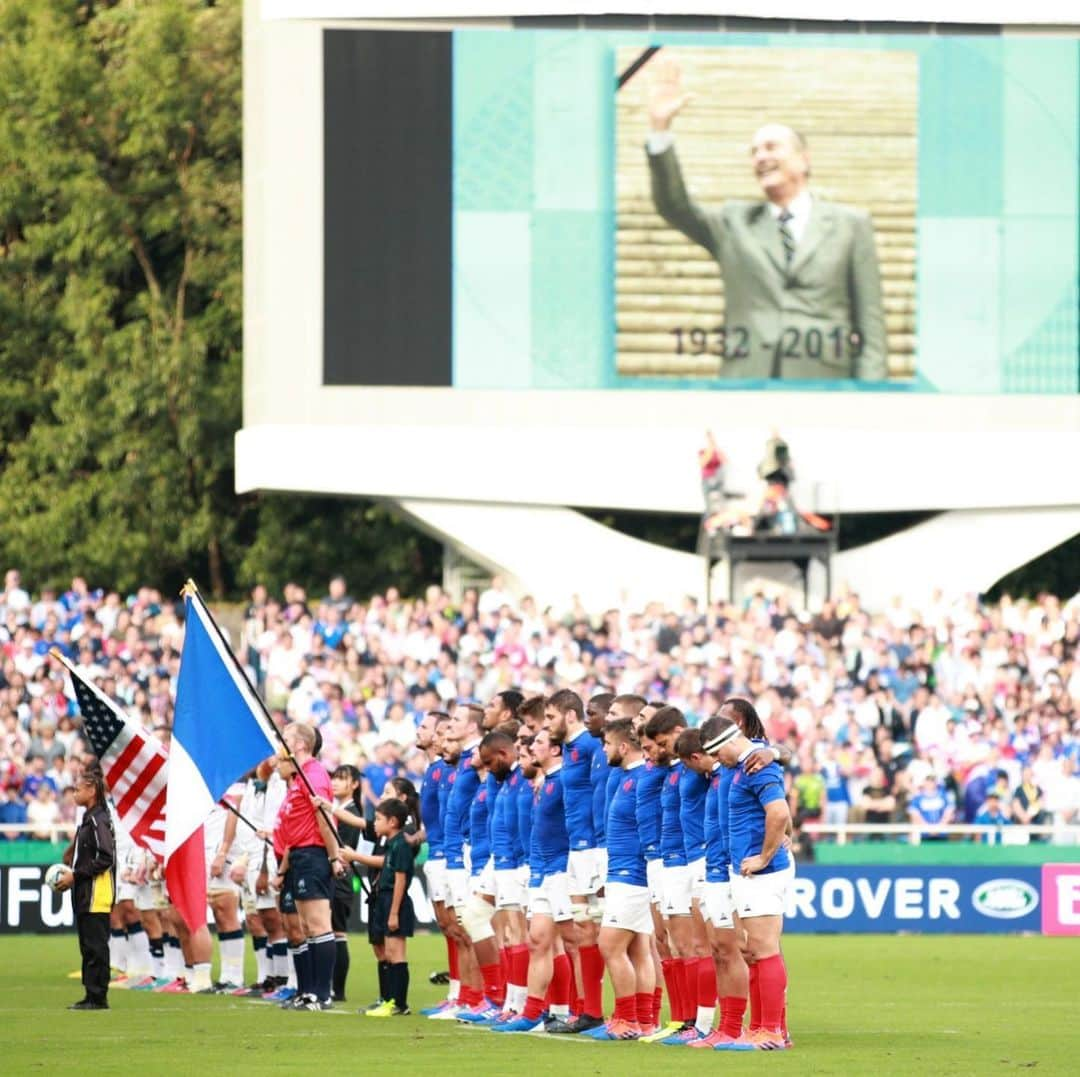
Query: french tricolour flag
{"points": [[220, 731]]}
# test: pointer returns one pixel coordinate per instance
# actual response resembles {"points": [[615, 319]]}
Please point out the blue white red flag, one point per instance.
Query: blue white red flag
{"points": [[220, 731]]}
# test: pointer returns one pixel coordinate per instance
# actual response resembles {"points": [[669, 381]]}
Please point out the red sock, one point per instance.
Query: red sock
{"points": [[577, 1004], [519, 965], [706, 982], [732, 1008], [657, 1003], [671, 968], [682, 999], [647, 1008], [534, 1007], [772, 984], [755, 998], [561, 981], [592, 973], [494, 983], [452, 959], [626, 1009], [783, 1017]]}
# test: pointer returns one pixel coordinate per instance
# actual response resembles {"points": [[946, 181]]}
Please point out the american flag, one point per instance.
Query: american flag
{"points": [[134, 762]]}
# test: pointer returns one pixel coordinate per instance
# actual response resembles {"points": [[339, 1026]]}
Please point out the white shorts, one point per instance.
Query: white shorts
{"points": [[654, 871], [457, 887], [601, 866], [717, 904], [697, 879], [483, 881], [435, 873], [466, 856], [761, 895], [510, 888], [150, 897], [125, 891], [551, 898], [677, 890], [222, 884], [583, 873], [627, 907], [256, 901]]}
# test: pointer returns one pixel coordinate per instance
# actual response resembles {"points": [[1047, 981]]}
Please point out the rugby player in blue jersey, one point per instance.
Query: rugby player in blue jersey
{"points": [[499, 751], [731, 973], [626, 930], [479, 909], [700, 975], [462, 730], [564, 716], [433, 794], [761, 872], [649, 789], [550, 909], [680, 970]]}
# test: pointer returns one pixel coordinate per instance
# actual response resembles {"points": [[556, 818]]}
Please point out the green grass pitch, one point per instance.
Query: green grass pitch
{"points": [[879, 1005]]}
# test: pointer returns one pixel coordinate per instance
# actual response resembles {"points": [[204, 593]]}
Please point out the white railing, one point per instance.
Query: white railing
{"points": [[56, 831], [1004, 834]]}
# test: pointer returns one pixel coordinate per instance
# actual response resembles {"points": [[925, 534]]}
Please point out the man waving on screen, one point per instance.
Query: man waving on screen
{"points": [[802, 288]]}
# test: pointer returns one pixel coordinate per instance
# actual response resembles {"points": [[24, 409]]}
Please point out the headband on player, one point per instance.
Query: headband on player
{"points": [[718, 741]]}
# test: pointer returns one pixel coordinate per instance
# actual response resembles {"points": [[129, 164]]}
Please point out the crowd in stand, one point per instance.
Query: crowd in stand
{"points": [[949, 712]]}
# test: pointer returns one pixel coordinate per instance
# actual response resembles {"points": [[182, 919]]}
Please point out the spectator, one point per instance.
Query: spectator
{"points": [[837, 795], [377, 774], [1028, 805], [992, 813], [931, 808], [808, 795], [12, 811], [878, 804], [42, 812]]}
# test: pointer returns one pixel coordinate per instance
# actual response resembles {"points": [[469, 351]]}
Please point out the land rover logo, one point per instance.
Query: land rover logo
{"points": [[1005, 899]]}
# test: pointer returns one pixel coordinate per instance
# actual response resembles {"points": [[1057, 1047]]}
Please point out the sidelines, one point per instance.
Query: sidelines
{"points": [[822, 899]]}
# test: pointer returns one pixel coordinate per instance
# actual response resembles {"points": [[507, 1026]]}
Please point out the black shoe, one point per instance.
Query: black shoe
{"points": [[338, 998], [88, 1004], [442, 978], [560, 1026], [317, 1004], [584, 1022], [401, 1011]]}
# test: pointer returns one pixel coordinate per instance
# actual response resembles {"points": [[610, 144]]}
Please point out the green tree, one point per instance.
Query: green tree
{"points": [[120, 287]]}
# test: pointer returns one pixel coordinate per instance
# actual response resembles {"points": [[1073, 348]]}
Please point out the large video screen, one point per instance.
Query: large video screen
{"points": [[599, 209]]}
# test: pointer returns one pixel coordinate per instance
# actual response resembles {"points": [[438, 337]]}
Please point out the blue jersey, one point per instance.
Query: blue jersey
{"points": [[432, 802], [505, 844], [693, 788], [648, 809], [577, 760], [671, 844], [480, 828], [550, 846], [600, 800], [717, 855], [526, 801], [614, 776], [747, 799], [626, 862], [463, 784]]}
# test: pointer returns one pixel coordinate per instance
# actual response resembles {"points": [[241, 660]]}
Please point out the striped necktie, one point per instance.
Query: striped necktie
{"points": [[786, 236]]}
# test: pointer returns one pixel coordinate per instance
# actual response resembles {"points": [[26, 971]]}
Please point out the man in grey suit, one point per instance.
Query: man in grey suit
{"points": [[802, 289]]}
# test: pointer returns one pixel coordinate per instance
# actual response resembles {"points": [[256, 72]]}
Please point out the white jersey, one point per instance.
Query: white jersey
{"points": [[214, 827], [260, 809]]}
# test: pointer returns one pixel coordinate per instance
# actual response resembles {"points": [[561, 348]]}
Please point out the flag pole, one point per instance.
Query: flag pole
{"points": [[191, 590]]}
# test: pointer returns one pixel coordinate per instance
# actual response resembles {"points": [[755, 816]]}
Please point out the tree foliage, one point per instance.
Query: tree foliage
{"points": [[120, 301]]}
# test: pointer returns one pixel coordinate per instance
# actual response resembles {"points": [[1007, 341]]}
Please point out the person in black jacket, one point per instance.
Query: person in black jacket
{"points": [[92, 873]]}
